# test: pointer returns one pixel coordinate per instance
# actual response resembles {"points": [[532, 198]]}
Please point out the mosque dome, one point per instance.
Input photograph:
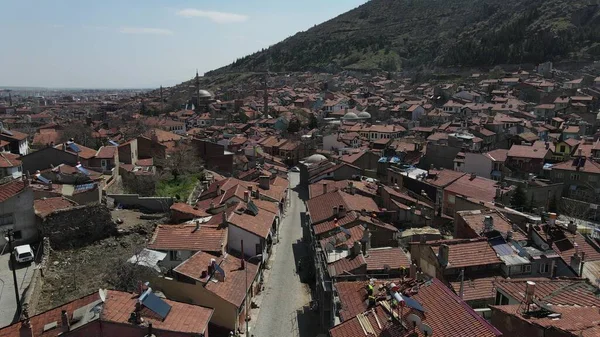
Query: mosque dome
{"points": [[364, 114], [350, 115], [315, 158]]}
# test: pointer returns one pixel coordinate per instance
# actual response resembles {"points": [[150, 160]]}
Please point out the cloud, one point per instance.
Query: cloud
{"points": [[144, 30], [218, 17], [98, 28]]}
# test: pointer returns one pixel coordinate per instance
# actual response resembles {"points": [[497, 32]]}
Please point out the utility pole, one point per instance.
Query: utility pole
{"points": [[10, 237]]}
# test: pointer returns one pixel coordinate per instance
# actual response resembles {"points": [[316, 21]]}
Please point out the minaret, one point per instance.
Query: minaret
{"points": [[9, 98], [197, 83], [162, 101], [266, 93]]}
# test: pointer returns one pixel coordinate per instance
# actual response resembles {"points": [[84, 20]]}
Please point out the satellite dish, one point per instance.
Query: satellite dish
{"points": [[544, 246], [414, 320], [102, 293], [426, 330]]}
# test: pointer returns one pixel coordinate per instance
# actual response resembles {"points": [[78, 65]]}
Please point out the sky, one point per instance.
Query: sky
{"points": [[142, 43]]}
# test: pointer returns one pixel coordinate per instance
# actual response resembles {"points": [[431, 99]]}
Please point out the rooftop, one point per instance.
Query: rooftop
{"points": [[207, 238]]}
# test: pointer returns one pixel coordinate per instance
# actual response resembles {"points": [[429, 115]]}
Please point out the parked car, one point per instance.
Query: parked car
{"points": [[23, 253]]}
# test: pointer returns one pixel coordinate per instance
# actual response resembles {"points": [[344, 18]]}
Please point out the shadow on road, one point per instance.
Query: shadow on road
{"points": [[302, 258], [308, 322], [302, 192]]}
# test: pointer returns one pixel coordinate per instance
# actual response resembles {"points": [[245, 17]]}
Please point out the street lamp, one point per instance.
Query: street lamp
{"points": [[246, 272], [9, 236]]}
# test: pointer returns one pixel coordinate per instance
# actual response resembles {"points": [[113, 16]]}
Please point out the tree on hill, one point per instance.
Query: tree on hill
{"points": [[294, 126]]}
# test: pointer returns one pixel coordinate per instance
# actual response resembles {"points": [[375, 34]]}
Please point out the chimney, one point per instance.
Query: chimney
{"points": [[366, 240], [65, 324], [324, 188], [572, 227], [579, 152], [582, 263], [246, 196], [351, 188], [140, 288], [224, 219], [257, 193], [341, 211], [553, 268], [473, 176], [197, 223], [498, 193], [443, 254], [356, 248], [413, 271], [243, 265], [264, 182], [26, 329], [547, 145], [488, 223], [335, 211], [218, 190], [149, 330], [576, 263], [509, 235]]}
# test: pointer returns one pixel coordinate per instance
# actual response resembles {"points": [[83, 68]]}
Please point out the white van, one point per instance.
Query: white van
{"points": [[23, 253]]}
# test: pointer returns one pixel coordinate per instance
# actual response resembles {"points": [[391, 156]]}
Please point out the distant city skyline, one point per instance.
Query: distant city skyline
{"points": [[142, 44]]}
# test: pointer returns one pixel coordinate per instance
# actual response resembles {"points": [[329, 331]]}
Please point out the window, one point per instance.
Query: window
{"points": [[592, 178], [175, 255], [574, 176], [17, 235], [103, 163], [527, 268], [558, 175], [6, 219], [544, 268], [562, 149], [501, 299], [451, 199]]}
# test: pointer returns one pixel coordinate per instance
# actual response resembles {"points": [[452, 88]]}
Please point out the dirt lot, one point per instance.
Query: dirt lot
{"points": [[74, 273]]}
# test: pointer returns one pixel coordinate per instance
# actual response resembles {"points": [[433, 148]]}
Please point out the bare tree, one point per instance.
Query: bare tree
{"points": [[129, 270], [184, 160], [80, 133]]}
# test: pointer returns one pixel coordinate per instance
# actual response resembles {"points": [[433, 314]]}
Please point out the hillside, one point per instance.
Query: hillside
{"points": [[403, 34]]}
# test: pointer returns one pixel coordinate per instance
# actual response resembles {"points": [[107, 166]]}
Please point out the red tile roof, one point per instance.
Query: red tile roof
{"points": [[85, 152], [392, 257], [321, 207], [341, 240], [11, 189], [182, 318], [188, 209], [474, 289], [317, 189], [43, 207], [556, 292], [566, 243], [351, 218], [442, 178], [478, 188], [185, 237], [9, 160], [471, 252], [497, 155], [106, 152], [233, 288], [589, 166], [525, 151], [446, 314], [347, 265], [259, 224], [474, 219], [573, 321]]}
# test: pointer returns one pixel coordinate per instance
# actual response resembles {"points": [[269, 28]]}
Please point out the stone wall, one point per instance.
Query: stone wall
{"points": [[152, 204], [32, 294], [78, 226]]}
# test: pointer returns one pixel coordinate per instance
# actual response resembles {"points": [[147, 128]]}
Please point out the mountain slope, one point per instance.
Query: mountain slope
{"points": [[401, 34]]}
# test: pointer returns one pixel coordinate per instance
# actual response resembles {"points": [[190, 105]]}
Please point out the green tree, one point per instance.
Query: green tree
{"points": [[294, 125], [313, 123], [519, 198]]}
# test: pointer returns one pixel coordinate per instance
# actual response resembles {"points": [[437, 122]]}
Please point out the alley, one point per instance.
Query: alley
{"points": [[284, 309]]}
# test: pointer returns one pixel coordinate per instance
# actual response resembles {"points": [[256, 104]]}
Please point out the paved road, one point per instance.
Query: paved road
{"points": [[8, 305], [284, 308]]}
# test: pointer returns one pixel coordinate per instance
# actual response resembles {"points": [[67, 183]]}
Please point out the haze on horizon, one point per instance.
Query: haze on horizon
{"points": [[142, 44]]}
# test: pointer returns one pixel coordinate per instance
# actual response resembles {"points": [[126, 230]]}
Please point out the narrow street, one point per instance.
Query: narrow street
{"points": [[284, 309]]}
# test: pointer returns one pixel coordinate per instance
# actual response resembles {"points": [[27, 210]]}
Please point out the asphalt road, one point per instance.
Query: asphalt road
{"points": [[8, 305], [284, 309]]}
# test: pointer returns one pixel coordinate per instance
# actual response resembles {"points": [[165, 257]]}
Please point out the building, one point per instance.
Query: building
{"points": [[10, 166], [115, 313], [17, 212], [223, 283]]}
